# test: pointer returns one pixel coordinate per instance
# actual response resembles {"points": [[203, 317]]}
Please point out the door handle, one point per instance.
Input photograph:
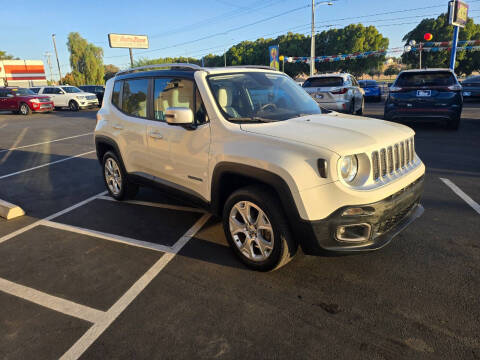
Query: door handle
{"points": [[156, 135], [118, 126]]}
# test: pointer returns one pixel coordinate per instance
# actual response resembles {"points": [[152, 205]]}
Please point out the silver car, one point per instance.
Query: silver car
{"points": [[338, 92]]}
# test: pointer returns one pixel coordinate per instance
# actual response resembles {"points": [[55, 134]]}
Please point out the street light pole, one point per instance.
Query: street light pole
{"points": [[312, 43], [49, 62], [58, 62]]}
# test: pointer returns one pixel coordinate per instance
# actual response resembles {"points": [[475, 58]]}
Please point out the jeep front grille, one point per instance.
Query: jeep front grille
{"points": [[393, 158]]}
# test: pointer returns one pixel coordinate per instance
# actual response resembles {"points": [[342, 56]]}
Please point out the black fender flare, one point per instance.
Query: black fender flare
{"points": [[101, 139]]}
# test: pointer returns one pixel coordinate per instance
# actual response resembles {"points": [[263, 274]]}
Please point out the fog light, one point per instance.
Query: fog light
{"points": [[353, 232], [358, 211]]}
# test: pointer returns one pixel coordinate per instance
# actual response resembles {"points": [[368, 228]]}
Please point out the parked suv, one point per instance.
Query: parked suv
{"points": [[338, 92], [424, 94], [69, 96], [23, 101], [251, 146], [98, 90]]}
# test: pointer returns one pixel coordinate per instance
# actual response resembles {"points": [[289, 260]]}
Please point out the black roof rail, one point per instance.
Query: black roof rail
{"points": [[180, 66]]}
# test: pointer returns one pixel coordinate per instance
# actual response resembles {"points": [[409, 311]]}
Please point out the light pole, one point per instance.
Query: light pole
{"points": [[49, 62], [58, 62], [312, 39]]}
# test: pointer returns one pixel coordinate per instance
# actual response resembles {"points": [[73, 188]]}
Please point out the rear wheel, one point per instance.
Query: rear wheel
{"points": [[256, 229], [24, 109], [362, 107], [115, 178], [453, 124], [73, 105]]}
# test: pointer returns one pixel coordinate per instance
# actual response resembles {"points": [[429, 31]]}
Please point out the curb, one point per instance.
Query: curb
{"points": [[9, 211]]}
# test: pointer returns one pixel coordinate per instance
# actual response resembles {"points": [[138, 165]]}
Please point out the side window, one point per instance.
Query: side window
{"points": [[134, 97], [47, 90], [56, 91], [169, 92], [117, 88], [3, 93]]}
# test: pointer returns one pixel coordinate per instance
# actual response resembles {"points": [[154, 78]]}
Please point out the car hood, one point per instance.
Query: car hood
{"points": [[343, 134]]}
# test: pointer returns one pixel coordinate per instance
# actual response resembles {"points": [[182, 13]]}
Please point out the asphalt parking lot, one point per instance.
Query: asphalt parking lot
{"points": [[82, 275]]}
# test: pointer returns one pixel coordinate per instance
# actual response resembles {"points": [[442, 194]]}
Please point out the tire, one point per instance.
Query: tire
{"points": [[454, 124], [115, 178], [360, 111], [24, 109], [73, 105], [279, 246]]}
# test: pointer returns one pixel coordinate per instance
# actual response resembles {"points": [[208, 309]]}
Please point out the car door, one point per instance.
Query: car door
{"points": [[358, 92], [128, 122], [3, 99], [179, 153], [11, 102]]}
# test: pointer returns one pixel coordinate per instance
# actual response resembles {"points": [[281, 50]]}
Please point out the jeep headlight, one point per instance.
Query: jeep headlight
{"points": [[348, 167]]}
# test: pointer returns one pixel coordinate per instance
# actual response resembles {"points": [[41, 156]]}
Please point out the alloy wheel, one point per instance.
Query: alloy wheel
{"points": [[24, 109], [113, 176], [251, 231]]}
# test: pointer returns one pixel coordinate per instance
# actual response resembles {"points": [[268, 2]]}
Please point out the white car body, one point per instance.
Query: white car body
{"points": [[289, 151], [62, 98], [347, 96]]}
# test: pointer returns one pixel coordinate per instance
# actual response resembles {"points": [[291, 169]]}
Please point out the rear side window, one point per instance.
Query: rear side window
{"points": [[440, 78], [117, 88], [134, 97], [323, 81], [35, 90]]}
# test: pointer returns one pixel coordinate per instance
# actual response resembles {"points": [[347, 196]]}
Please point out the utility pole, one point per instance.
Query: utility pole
{"points": [[420, 48], [131, 57], [58, 62], [225, 58], [49, 62], [312, 44]]}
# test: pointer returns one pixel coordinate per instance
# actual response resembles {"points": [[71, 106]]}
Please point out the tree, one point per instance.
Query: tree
{"points": [[352, 38], [110, 70], [86, 61], [466, 61], [391, 70], [5, 56], [69, 79]]}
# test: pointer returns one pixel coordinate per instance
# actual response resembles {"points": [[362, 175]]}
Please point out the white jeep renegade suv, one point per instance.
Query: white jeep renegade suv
{"points": [[253, 147]]}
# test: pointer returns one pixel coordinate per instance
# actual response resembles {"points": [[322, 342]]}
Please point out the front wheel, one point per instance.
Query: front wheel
{"points": [[24, 109], [73, 105], [256, 229], [115, 178]]}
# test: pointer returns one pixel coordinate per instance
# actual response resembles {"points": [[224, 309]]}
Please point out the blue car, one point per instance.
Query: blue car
{"points": [[373, 90], [424, 94]]}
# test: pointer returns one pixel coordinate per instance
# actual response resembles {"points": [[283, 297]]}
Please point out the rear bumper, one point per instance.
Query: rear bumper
{"points": [[450, 113], [340, 105], [386, 218]]}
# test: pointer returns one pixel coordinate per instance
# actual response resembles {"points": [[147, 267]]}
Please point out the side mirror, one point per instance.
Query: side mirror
{"points": [[10, 95], [179, 116]]}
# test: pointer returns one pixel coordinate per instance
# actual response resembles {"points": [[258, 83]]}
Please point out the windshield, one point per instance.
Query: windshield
{"points": [[21, 92], [443, 78], [367, 83], [260, 97], [326, 81], [71, 89]]}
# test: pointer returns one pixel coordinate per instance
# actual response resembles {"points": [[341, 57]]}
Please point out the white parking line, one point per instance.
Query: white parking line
{"points": [[53, 216], [52, 302], [48, 164], [98, 328], [153, 204], [107, 236], [46, 142], [462, 195]]}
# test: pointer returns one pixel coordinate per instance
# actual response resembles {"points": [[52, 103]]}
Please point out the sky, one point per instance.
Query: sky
{"points": [[194, 28]]}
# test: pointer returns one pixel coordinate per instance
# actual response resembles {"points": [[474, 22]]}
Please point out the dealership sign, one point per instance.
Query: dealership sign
{"points": [[128, 41], [457, 13]]}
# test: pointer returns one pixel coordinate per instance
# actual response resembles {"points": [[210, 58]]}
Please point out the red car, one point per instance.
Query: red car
{"points": [[23, 101]]}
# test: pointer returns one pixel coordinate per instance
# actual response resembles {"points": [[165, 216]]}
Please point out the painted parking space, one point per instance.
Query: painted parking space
{"points": [[154, 277]]}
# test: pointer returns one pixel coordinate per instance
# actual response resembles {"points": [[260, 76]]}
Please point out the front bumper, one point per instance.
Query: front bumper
{"points": [[89, 104], [387, 218], [42, 107]]}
